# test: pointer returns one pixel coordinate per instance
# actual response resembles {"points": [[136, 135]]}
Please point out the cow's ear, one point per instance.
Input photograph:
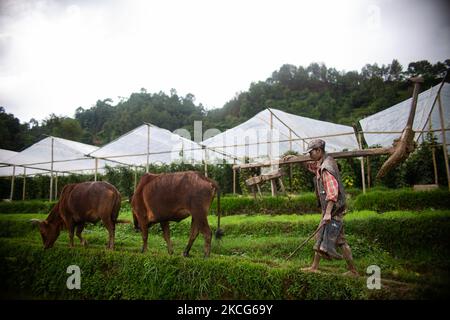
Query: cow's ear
{"points": [[35, 222]]}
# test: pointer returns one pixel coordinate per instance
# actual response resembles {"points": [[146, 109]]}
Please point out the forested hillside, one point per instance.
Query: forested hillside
{"points": [[315, 91]]}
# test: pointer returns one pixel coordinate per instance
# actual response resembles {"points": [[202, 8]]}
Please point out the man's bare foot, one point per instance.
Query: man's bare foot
{"points": [[310, 269]]}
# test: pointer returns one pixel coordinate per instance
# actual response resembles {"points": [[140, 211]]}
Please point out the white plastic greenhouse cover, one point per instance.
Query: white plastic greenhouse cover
{"points": [[252, 138], [164, 147], [395, 117], [7, 170], [68, 156]]}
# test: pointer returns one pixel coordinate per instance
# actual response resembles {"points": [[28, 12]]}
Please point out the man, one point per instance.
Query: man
{"points": [[331, 195]]}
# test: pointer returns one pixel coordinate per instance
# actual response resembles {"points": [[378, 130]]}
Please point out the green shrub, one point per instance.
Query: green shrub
{"points": [[404, 199], [378, 199], [31, 206], [306, 203]]}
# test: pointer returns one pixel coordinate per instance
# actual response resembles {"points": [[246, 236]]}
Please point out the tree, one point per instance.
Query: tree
{"points": [[13, 135], [395, 71]]}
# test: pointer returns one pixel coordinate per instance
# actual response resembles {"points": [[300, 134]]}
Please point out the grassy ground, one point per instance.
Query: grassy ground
{"points": [[413, 264]]}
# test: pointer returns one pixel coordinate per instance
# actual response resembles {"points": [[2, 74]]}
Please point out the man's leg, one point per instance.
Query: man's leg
{"points": [[315, 265], [347, 254]]}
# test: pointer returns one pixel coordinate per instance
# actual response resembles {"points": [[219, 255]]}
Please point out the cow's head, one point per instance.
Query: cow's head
{"points": [[49, 232]]}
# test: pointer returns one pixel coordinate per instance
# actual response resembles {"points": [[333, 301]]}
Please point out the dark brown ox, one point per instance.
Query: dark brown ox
{"points": [[80, 203], [160, 198]]}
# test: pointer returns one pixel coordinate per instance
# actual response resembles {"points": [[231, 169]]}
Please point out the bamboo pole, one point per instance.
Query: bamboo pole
{"points": [[56, 186], [51, 173], [433, 154], [363, 175], [290, 129], [206, 165], [12, 183], [444, 140], [135, 179], [96, 168], [24, 183], [305, 158], [234, 181], [272, 187], [148, 148]]}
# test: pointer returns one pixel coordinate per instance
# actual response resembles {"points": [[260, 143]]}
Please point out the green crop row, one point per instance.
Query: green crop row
{"points": [[31, 271], [381, 201]]}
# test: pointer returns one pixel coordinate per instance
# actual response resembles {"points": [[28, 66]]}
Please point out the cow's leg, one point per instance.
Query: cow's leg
{"points": [[71, 228], [166, 233], [111, 227], [80, 228], [135, 223], [207, 234], [112, 233], [192, 236], [144, 231]]}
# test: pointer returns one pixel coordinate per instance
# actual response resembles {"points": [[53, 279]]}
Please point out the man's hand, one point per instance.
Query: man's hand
{"points": [[288, 157], [327, 215]]}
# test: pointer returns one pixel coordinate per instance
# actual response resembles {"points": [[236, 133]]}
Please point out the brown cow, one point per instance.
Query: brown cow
{"points": [[173, 197], [80, 203]]}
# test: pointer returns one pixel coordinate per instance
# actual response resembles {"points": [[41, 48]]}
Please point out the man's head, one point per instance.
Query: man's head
{"points": [[316, 149]]}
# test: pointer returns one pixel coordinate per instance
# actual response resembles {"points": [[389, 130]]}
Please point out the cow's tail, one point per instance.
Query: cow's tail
{"points": [[219, 232], [116, 207]]}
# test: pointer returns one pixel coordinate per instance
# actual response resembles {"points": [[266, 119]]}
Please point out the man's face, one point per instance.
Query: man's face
{"points": [[315, 154]]}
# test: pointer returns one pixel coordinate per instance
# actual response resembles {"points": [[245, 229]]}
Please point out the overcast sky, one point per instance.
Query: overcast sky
{"points": [[56, 56]]}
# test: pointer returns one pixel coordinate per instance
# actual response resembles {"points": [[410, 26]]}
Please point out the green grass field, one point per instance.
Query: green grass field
{"points": [[249, 262]]}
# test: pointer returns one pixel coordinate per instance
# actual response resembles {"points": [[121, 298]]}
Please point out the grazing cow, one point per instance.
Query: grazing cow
{"points": [[160, 198], [80, 203]]}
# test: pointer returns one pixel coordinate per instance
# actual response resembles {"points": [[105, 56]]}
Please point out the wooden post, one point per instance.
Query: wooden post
{"points": [[363, 176], [148, 148], [135, 179], [12, 183], [24, 182], [51, 173], [368, 172], [56, 186], [283, 189], [259, 190], [444, 140], [234, 181], [433, 154], [253, 191], [96, 169], [273, 188], [270, 137], [206, 164], [290, 177]]}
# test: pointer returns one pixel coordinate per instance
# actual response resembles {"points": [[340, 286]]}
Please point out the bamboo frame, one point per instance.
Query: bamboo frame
{"points": [[363, 175], [51, 172], [24, 183], [444, 140], [12, 184]]}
